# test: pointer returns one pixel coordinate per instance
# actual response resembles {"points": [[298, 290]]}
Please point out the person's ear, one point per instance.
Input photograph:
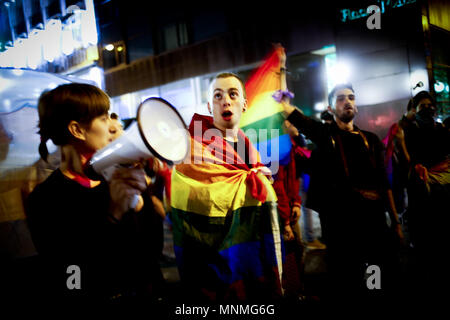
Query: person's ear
{"points": [[245, 106], [76, 130]]}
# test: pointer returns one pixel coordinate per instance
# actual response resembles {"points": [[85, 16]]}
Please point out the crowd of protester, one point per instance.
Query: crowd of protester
{"points": [[236, 227]]}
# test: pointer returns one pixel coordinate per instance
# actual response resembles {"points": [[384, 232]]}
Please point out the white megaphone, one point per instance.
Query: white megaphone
{"points": [[159, 131]]}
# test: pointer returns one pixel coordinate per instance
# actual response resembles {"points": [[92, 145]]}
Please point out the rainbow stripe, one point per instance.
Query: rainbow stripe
{"points": [[264, 112], [227, 243]]}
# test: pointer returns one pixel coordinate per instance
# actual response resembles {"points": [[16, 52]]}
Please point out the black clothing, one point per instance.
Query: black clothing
{"points": [[354, 226], [328, 177], [427, 145], [69, 225], [156, 225]]}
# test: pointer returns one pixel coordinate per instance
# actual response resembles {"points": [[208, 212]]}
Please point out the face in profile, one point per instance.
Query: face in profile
{"points": [[99, 133], [226, 102]]}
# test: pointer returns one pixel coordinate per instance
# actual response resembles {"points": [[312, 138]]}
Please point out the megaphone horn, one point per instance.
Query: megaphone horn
{"points": [[159, 131]]}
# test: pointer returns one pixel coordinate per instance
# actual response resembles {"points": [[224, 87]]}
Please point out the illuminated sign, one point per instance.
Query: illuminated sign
{"points": [[350, 14], [56, 40]]}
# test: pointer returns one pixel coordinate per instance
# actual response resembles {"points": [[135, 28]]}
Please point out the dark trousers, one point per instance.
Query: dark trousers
{"points": [[427, 223], [357, 236]]}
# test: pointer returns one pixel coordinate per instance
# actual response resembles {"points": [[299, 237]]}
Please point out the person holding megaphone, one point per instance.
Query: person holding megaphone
{"points": [[78, 221]]}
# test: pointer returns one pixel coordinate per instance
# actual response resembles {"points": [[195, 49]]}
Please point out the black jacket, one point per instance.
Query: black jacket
{"points": [[330, 183], [69, 225]]}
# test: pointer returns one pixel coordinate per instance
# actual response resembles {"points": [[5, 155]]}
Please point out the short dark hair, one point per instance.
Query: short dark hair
{"points": [[74, 101], [223, 75], [337, 88], [114, 116]]}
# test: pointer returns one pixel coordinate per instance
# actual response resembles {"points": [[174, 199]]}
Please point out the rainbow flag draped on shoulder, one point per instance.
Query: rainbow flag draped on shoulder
{"points": [[264, 114], [225, 224]]}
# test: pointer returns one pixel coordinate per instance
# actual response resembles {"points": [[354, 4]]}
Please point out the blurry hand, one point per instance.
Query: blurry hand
{"points": [[125, 187], [295, 214], [159, 207], [288, 234], [281, 54]]}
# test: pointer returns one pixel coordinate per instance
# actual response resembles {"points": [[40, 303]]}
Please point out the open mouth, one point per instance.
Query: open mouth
{"points": [[226, 115]]}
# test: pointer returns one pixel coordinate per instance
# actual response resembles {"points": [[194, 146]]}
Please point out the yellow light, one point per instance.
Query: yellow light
{"points": [[119, 48], [425, 23]]}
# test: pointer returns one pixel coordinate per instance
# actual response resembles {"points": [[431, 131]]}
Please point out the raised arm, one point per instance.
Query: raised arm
{"points": [[312, 129]]}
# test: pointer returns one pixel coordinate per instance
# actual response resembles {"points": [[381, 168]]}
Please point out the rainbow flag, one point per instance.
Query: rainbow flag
{"points": [[265, 113], [225, 224]]}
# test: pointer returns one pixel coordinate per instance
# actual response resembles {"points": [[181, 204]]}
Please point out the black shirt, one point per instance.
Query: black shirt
{"points": [[427, 146], [69, 226], [362, 156]]}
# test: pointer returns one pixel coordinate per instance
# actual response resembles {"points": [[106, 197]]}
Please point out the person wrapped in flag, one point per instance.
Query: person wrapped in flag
{"points": [[225, 223]]}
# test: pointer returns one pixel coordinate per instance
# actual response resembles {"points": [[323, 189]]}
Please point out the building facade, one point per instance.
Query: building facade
{"points": [[173, 52]]}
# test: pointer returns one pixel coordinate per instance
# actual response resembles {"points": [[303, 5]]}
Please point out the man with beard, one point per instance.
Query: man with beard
{"points": [[350, 191]]}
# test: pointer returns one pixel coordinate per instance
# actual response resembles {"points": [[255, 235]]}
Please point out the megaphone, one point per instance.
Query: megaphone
{"points": [[159, 131]]}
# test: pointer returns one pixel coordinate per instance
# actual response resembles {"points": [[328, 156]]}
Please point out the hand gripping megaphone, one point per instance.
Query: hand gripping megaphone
{"points": [[159, 131]]}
